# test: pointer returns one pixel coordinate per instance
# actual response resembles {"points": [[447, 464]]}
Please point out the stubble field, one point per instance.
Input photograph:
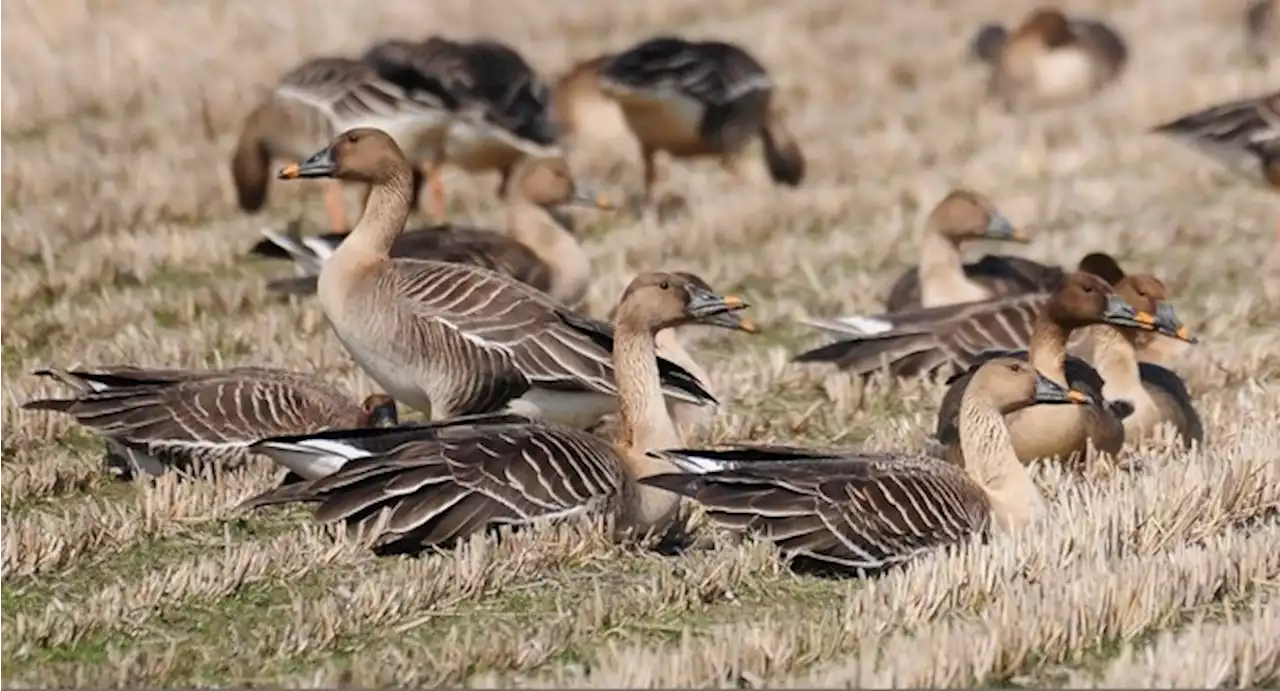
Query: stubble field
{"points": [[121, 245]]}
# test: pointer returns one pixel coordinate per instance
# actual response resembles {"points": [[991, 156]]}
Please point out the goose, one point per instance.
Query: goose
{"points": [[948, 340], [1050, 58], [1055, 433], [1157, 394], [160, 419], [535, 249], [868, 512], [316, 100], [448, 479], [1262, 29], [962, 216], [700, 98], [579, 107], [453, 339], [503, 105], [1244, 135], [1151, 346]]}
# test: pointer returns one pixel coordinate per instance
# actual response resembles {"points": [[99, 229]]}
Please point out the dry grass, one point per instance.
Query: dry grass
{"points": [[121, 244]]}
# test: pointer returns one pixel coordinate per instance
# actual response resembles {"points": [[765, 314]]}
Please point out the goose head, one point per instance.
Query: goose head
{"points": [[378, 410], [1149, 295], [1102, 265], [364, 154], [965, 215], [549, 183], [661, 300], [1049, 26], [1085, 299], [1009, 384]]}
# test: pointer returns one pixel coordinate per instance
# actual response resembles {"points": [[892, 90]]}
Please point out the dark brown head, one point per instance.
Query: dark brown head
{"points": [[1050, 25], [251, 160], [1102, 265], [1085, 299], [1008, 384], [658, 300], [548, 182], [378, 410], [965, 215], [363, 154], [1148, 295]]}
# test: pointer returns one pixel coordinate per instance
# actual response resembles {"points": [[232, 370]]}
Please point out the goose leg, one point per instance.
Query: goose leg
{"points": [[333, 205], [505, 182], [435, 186], [650, 175]]}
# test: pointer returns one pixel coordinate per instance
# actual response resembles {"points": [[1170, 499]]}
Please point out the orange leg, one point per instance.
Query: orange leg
{"points": [[333, 205], [435, 187]]}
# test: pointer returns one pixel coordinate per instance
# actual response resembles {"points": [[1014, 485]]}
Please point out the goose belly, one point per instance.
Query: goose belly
{"points": [[574, 409], [669, 123], [476, 147], [1064, 73], [1047, 432]]}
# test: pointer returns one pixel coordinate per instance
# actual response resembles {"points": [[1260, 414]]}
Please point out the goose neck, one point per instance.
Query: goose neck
{"points": [[1048, 349], [993, 464], [646, 422], [385, 213]]}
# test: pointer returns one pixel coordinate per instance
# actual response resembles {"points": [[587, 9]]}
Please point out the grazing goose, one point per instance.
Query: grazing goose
{"points": [[948, 340], [1243, 135], [449, 479], [502, 113], [1050, 58], [1157, 394], [579, 107], [452, 339], [535, 249], [1262, 29], [960, 217], [320, 98], [867, 512], [1055, 433], [1151, 346], [156, 419], [700, 99]]}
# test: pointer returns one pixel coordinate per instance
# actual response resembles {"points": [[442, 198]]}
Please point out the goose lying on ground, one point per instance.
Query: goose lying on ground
{"points": [[157, 419], [449, 479], [453, 339], [866, 512], [1151, 346]]}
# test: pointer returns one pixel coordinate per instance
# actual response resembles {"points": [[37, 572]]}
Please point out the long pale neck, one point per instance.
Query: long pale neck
{"points": [[535, 227], [385, 212], [646, 423], [991, 462], [1116, 360], [1048, 349], [942, 277]]}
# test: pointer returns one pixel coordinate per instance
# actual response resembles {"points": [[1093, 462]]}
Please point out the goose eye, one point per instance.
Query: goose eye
{"points": [[353, 137], [665, 284]]}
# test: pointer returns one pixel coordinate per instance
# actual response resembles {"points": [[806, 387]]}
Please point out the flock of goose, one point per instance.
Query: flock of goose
{"points": [[537, 411]]}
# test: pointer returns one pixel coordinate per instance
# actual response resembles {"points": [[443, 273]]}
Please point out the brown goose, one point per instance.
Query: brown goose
{"points": [[963, 216], [866, 512], [1152, 346], [695, 99], [1262, 29], [157, 419], [449, 479], [454, 339], [320, 98], [580, 109], [502, 114], [535, 249], [1157, 394], [1051, 58], [948, 340], [1046, 432]]}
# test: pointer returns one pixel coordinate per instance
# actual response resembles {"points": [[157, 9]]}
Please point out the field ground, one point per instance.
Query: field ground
{"points": [[121, 245]]}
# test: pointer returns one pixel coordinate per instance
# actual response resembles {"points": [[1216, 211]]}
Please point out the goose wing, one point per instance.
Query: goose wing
{"points": [[1173, 399], [1241, 134], [1000, 273], [508, 93], [351, 93], [863, 513], [520, 337], [459, 477], [712, 72], [935, 340]]}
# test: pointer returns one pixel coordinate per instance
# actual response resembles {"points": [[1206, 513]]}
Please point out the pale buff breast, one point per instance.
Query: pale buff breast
{"points": [[1063, 73], [668, 122], [1046, 432]]}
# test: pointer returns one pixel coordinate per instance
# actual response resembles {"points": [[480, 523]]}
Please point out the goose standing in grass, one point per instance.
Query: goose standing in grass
{"points": [[948, 340], [866, 512], [502, 114], [535, 248], [706, 98], [1050, 58], [157, 419], [1243, 135], [453, 339], [446, 480], [316, 100], [579, 107], [1056, 433]]}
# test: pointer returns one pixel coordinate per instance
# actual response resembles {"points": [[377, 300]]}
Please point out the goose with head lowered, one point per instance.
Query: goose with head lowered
{"points": [[455, 339], [534, 248], [155, 420], [441, 481], [867, 512]]}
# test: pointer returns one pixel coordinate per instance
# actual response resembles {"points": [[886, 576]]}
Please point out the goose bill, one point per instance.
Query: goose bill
{"points": [[321, 165], [1050, 391], [714, 310], [1168, 324], [589, 198], [999, 228], [1121, 313]]}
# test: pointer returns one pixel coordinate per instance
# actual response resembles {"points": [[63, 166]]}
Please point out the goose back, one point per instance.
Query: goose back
{"points": [[1000, 274]]}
